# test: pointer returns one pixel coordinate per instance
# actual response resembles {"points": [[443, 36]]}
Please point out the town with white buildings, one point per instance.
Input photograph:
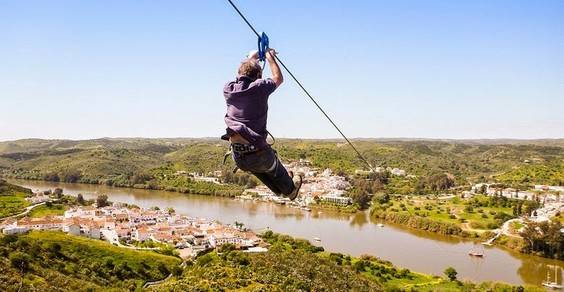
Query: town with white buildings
{"points": [[551, 197], [320, 185], [122, 226]]}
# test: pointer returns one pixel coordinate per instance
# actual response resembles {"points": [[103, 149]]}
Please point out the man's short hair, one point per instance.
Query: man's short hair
{"points": [[251, 69]]}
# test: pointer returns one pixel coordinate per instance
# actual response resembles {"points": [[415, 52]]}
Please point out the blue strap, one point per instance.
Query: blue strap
{"points": [[262, 46]]}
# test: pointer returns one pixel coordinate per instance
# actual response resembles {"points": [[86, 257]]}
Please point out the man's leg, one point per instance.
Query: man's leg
{"points": [[278, 178], [267, 181], [268, 169]]}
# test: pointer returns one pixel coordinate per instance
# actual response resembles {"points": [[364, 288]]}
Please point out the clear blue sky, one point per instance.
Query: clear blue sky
{"points": [[435, 69]]}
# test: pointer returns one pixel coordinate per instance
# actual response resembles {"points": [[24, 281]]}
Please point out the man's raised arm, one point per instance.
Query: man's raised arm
{"points": [[274, 68]]}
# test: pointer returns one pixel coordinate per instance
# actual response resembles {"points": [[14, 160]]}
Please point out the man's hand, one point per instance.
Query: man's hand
{"points": [[276, 73], [253, 55], [270, 54]]}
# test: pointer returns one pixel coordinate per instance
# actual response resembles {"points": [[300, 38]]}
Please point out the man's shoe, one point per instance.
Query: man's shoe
{"points": [[297, 185]]}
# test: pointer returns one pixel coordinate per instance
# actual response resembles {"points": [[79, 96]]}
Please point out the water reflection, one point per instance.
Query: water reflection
{"points": [[359, 219]]}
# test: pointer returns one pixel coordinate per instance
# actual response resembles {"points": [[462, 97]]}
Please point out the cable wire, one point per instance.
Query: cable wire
{"points": [[305, 90]]}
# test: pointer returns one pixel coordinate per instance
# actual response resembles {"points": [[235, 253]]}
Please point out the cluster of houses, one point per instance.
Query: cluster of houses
{"points": [[546, 194], [551, 197], [317, 185], [118, 224], [212, 177], [393, 171]]}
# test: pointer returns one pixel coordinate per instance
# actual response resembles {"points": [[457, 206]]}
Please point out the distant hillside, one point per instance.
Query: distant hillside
{"points": [[125, 161]]}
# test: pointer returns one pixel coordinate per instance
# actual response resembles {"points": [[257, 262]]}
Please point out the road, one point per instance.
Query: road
{"points": [[506, 227], [27, 210]]}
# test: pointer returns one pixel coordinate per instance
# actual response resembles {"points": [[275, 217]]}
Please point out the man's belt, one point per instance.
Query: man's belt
{"points": [[243, 148]]}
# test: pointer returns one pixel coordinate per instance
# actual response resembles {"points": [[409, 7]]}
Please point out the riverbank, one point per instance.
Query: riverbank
{"points": [[325, 271], [354, 234], [485, 237], [180, 184]]}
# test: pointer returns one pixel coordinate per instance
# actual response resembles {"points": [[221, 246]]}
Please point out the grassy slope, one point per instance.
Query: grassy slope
{"points": [[70, 263], [12, 199], [435, 209], [295, 265]]}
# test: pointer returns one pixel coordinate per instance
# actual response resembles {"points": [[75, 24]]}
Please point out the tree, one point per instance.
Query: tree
{"points": [[363, 200], [382, 198], [451, 273], [58, 192], [102, 201], [80, 199], [71, 176], [544, 238], [177, 271], [20, 261], [51, 177]]}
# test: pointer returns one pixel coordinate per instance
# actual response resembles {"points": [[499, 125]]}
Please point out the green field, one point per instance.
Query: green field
{"points": [[478, 214], [12, 199], [43, 210]]}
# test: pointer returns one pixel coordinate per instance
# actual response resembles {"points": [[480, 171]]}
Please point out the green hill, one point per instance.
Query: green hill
{"points": [[53, 261], [144, 162]]}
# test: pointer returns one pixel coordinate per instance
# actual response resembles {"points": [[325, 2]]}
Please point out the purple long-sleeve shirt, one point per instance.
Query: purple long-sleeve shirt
{"points": [[247, 109]]}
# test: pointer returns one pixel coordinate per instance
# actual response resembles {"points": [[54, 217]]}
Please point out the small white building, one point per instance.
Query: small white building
{"points": [[398, 172], [220, 239], [141, 234], [336, 199], [73, 228], [11, 230], [92, 231]]}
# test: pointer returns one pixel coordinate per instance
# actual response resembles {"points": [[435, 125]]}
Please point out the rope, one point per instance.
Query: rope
{"points": [[304, 90]]}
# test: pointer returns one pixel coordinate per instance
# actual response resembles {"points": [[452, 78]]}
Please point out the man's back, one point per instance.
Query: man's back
{"points": [[247, 108]]}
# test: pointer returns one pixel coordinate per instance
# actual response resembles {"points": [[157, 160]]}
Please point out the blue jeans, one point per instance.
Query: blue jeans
{"points": [[266, 166]]}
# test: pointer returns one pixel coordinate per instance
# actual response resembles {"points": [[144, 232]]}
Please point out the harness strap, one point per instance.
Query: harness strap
{"points": [[227, 154], [262, 46]]}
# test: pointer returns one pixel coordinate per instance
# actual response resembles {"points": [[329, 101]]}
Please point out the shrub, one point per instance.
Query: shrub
{"points": [[451, 273], [20, 261]]}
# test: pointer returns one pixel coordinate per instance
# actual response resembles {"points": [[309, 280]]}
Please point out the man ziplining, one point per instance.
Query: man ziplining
{"points": [[246, 119], [247, 111]]}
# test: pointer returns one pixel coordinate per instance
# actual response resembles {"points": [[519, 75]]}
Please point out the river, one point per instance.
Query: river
{"points": [[351, 234]]}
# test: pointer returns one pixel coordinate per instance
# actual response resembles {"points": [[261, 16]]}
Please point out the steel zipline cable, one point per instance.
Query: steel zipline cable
{"points": [[305, 90]]}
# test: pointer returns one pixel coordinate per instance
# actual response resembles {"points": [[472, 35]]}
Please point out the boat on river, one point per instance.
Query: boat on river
{"points": [[553, 284], [476, 253]]}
